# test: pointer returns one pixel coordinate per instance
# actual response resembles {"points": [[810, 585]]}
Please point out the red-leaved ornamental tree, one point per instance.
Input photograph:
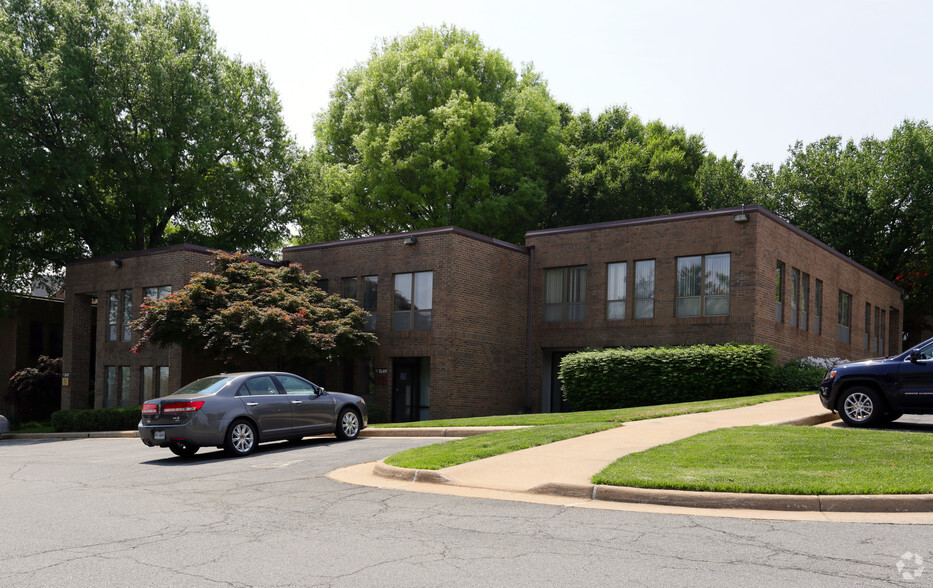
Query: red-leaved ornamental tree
{"points": [[247, 313]]}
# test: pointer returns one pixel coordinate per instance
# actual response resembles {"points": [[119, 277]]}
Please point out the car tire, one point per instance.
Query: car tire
{"points": [[348, 425], [241, 438], [183, 449], [861, 407]]}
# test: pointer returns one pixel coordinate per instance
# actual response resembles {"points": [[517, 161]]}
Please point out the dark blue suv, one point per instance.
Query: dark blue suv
{"points": [[872, 392]]}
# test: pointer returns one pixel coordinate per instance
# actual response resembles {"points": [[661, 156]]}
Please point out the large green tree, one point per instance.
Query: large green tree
{"points": [[434, 129], [246, 314], [123, 126], [620, 168]]}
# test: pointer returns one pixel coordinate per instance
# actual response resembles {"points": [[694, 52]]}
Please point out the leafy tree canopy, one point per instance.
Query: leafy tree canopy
{"points": [[434, 129], [123, 126], [245, 313]]}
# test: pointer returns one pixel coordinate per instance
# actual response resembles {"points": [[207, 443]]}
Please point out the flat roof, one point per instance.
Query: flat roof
{"points": [[416, 233], [165, 249]]}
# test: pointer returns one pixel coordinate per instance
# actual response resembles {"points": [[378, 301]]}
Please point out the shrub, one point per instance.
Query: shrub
{"points": [[801, 374], [619, 378], [122, 418], [35, 392]]}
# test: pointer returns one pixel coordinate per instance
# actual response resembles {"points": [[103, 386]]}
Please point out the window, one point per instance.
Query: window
{"points": [[867, 326], [110, 394], [881, 345], [844, 317], [348, 288], [794, 295], [295, 385], [644, 289], [615, 291], [126, 331], [703, 285], [779, 282], [565, 294], [258, 386], [156, 292], [878, 330], [113, 314], [370, 299], [123, 396], [324, 284], [413, 301], [804, 301], [818, 307], [154, 382]]}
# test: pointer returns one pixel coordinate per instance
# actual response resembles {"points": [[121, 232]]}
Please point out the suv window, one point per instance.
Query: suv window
{"points": [[927, 352], [259, 386], [295, 385]]}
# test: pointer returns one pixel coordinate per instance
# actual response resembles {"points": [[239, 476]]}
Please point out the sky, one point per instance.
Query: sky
{"points": [[752, 77]]}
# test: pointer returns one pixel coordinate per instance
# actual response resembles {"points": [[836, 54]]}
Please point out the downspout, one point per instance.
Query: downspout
{"points": [[529, 349]]}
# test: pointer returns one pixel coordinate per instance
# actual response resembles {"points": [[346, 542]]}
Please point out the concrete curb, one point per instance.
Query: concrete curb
{"points": [[433, 431], [884, 503]]}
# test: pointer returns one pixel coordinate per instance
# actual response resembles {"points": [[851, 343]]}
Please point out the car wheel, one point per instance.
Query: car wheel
{"points": [[241, 438], [184, 449], [348, 425], [860, 407]]}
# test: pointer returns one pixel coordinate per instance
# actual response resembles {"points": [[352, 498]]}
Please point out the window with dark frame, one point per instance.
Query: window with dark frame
{"points": [[370, 300], [127, 300], [794, 295], [878, 330], [156, 292], [348, 288], [779, 284], [868, 326], [113, 315], [565, 294], [844, 317], [703, 285], [413, 301], [803, 323], [644, 289], [616, 274], [882, 347], [818, 307]]}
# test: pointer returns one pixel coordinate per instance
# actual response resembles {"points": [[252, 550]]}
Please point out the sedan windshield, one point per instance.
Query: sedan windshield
{"points": [[205, 385]]}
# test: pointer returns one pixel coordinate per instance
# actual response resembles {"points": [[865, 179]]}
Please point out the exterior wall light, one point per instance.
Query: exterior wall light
{"points": [[410, 240], [116, 263], [740, 218]]}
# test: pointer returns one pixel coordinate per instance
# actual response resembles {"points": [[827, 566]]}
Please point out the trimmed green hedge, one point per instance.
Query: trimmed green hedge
{"points": [[123, 418], [620, 378]]}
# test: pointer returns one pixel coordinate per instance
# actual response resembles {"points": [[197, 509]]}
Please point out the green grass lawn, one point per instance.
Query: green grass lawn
{"points": [[618, 415], [547, 429], [451, 453], [783, 460]]}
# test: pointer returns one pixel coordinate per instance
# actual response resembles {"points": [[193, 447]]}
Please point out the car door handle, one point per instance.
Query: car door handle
{"points": [[296, 402], [252, 404]]}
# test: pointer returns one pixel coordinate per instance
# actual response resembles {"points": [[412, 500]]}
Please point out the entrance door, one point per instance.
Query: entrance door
{"points": [[406, 389]]}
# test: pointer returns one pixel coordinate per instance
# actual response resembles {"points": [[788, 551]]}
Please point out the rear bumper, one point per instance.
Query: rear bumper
{"points": [[165, 435]]}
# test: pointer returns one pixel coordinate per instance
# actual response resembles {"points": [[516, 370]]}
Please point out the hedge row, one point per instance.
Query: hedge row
{"points": [[619, 378], [123, 418]]}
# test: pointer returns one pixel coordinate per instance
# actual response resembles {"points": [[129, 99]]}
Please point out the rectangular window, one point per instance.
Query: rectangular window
{"points": [[323, 284], [804, 301], [703, 285], [644, 289], [818, 307], [413, 301], [881, 345], [113, 315], [867, 326], [844, 317], [126, 331], [163, 381], [123, 397], [779, 283], [148, 382], [565, 294], [877, 330], [110, 394], [156, 292], [615, 291], [348, 288], [370, 298], [794, 295]]}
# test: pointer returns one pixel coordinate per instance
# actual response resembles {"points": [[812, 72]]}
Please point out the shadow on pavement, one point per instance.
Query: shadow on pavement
{"points": [[210, 454]]}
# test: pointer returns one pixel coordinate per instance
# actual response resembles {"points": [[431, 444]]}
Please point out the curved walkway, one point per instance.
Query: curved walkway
{"points": [[559, 473]]}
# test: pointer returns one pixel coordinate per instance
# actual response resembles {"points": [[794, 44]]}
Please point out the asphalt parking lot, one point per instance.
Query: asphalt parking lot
{"points": [[112, 512]]}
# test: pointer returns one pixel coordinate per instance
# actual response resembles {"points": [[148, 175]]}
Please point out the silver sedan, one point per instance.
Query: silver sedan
{"points": [[238, 411]]}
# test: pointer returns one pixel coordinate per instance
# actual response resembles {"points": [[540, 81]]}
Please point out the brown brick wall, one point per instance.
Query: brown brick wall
{"points": [[477, 341], [86, 279]]}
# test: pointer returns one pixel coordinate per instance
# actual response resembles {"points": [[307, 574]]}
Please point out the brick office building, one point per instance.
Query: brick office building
{"points": [[469, 325]]}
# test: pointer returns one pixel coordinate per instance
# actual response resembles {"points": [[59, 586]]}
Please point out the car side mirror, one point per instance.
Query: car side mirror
{"points": [[914, 355]]}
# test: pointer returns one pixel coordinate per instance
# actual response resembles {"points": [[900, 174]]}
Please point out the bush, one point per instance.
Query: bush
{"points": [[123, 418], [801, 374], [620, 378], [35, 392]]}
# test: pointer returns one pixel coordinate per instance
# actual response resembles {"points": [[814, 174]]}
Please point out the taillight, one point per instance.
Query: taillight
{"points": [[150, 408], [183, 406]]}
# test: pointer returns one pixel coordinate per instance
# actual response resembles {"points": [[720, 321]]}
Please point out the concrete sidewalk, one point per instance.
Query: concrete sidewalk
{"points": [[563, 470]]}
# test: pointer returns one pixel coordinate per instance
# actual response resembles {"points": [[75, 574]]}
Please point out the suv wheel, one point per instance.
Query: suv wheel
{"points": [[860, 407]]}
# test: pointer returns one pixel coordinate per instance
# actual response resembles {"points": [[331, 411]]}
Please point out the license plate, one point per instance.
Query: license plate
{"points": [[159, 435]]}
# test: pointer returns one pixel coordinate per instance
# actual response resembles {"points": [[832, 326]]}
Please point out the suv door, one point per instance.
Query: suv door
{"points": [[312, 408], [271, 410], [915, 380]]}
